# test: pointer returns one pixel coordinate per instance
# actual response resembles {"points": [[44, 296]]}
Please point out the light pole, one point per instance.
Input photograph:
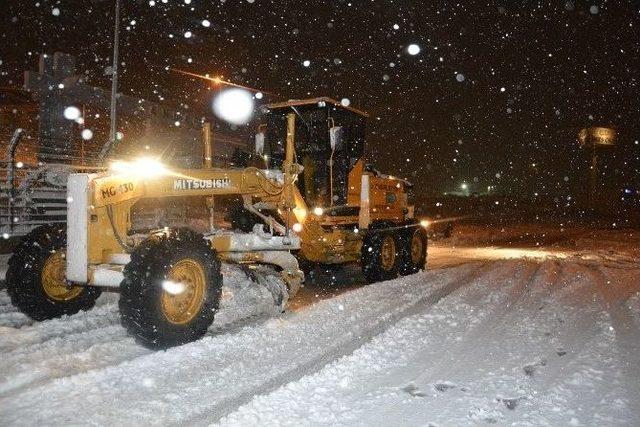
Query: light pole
{"points": [[114, 86]]}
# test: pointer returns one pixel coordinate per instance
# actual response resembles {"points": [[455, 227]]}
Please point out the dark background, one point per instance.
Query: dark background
{"points": [[563, 66]]}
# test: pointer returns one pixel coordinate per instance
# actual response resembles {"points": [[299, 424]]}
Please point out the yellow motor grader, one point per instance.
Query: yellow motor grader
{"points": [[314, 202]]}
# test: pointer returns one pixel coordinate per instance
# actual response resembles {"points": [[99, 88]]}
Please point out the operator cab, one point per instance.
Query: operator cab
{"points": [[329, 140]]}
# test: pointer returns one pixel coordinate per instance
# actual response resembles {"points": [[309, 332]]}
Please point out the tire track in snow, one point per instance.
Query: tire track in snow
{"points": [[575, 332], [614, 296], [558, 393], [499, 301], [60, 357], [216, 374], [225, 407], [437, 328], [99, 317]]}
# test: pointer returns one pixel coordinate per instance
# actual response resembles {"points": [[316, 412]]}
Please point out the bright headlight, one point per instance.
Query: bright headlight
{"points": [[147, 166], [141, 167]]}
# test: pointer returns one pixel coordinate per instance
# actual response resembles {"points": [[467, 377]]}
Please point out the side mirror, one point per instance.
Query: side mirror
{"points": [[260, 143], [336, 138]]}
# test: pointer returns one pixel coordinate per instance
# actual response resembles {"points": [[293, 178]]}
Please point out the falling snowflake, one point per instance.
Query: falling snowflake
{"points": [[71, 113], [413, 49]]}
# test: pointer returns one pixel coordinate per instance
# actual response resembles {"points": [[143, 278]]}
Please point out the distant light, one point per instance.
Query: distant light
{"points": [[206, 23], [258, 95], [5, 236], [71, 113], [306, 63], [19, 165], [460, 77], [234, 106], [424, 223], [396, 26], [152, 3], [55, 11], [502, 89], [464, 186], [188, 34], [318, 211], [345, 102], [297, 227], [119, 136], [413, 49], [594, 9], [87, 134], [176, 123]]}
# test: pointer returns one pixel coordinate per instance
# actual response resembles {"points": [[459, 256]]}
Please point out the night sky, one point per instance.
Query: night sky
{"points": [[496, 95]]}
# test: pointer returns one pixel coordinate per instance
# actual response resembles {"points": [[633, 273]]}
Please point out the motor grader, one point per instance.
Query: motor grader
{"points": [[311, 200]]}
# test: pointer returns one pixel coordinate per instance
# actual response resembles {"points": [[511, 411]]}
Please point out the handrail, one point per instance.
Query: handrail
{"points": [[11, 152]]}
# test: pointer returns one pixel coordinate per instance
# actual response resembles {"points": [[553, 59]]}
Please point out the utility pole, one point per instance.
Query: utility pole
{"points": [[114, 86]]}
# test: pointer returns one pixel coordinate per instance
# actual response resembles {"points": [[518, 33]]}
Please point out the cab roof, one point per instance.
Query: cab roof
{"points": [[314, 101]]}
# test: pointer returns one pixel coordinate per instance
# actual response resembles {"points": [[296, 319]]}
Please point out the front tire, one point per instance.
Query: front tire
{"points": [[36, 278], [379, 256], [171, 289]]}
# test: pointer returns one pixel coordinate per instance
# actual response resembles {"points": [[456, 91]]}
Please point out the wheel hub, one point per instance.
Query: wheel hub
{"points": [[54, 281], [183, 294]]}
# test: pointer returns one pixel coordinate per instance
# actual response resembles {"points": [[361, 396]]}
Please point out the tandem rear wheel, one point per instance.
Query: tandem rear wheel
{"points": [[387, 254]]}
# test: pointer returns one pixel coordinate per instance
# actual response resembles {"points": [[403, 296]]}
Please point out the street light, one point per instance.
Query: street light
{"points": [[465, 188], [114, 85]]}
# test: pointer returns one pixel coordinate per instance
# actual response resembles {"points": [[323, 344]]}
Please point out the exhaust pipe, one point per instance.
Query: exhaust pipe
{"points": [[207, 146]]}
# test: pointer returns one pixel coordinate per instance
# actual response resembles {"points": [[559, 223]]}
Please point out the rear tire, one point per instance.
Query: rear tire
{"points": [[171, 289], [413, 253], [36, 281], [379, 256]]}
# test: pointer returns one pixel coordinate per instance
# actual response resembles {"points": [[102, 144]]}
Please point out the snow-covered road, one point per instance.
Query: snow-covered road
{"points": [[506, 335]]}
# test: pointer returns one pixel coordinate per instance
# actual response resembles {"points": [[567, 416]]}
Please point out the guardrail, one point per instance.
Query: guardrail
{"points": [[32, 195]]}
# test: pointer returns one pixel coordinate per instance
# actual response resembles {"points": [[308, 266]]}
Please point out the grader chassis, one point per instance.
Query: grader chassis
{"points": [[315, 202]]}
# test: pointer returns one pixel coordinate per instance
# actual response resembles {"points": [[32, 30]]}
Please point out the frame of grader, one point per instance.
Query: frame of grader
{"points": [[316, 202]]}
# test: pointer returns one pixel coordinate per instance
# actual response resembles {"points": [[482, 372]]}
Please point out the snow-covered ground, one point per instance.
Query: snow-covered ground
{"points": [[512, 333]]}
